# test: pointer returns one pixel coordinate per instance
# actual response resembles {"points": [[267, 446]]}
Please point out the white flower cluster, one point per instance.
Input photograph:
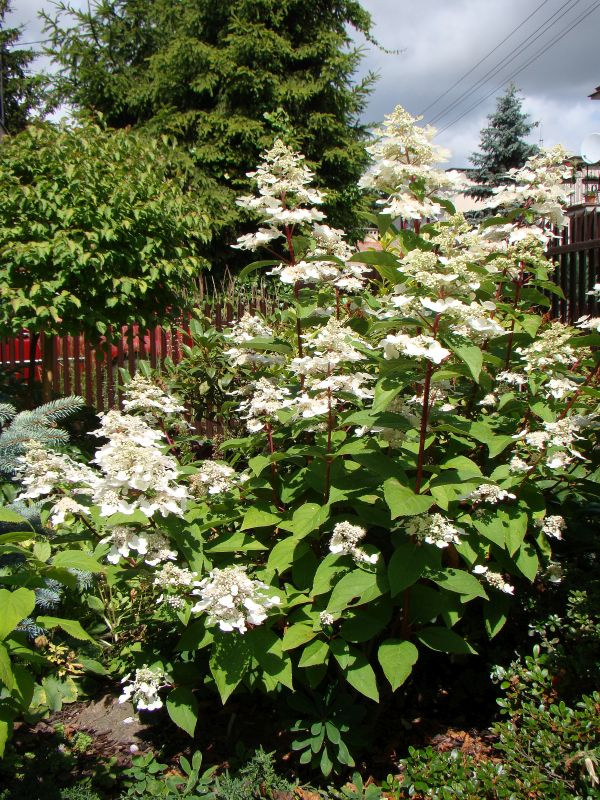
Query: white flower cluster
{"points": [[244, 330], [345, 539], [472, 321], [152, 545], [283, 182], [144, 397], [213, 478], [143, 689], [321, 263], [43, 471], [403, 344], [65, 507], [433, 529], [263, 404], [539, 186], [232, 600], [495, 579], [588, 322], [559, 387], [550, 350], [170, 576], [490, 493], [553, 526], [136, 473], [403, 155]]}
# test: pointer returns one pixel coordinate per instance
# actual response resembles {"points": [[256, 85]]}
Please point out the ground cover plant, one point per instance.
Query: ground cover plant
{"points": [[409, 427]]}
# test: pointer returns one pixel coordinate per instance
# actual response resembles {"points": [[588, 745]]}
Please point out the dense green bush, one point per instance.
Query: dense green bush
{"points": [[407, 435]]}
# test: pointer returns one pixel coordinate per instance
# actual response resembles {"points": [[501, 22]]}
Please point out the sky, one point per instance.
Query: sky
{"points": [[436, 42]]}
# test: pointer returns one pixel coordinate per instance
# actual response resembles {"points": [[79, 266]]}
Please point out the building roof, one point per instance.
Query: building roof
{"points": [[595, 95]]}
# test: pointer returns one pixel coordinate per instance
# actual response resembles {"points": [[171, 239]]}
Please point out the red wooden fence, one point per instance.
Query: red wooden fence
{"points": [[93, 371]]}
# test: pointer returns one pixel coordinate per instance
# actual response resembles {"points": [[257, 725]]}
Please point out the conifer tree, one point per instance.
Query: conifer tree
{"points": [[502, 143], [221, 76], [20, 92]]}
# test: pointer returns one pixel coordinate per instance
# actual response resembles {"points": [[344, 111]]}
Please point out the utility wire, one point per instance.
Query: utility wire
{"points": [[553, 20], [540, 52], [481, 60], [520, 48]]}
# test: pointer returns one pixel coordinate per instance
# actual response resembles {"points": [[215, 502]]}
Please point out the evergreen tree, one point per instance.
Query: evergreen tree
{"points": [[21, 93], [221, 77], [502, 143]]}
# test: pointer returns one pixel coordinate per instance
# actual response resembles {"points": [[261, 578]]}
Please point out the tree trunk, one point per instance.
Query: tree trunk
{"points": [[47, 367]]}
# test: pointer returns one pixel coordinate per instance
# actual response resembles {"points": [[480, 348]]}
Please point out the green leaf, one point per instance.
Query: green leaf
{"points": [[406, 566], [14, 607], [315, 654], [444, 640], [397, 658], [183, 709], [306, 519], [296, 635], [229, 661], [471, 356], [358, 585], [328, 572], [234, 542], [259, 518], [7, 515], [357, 670], [527, 561], [250, 268], [285, 553], [495, 615], [77, 559], [268, 651], [403, 501], [70, 626], [6, 674], [261, 343], [459, 581]]}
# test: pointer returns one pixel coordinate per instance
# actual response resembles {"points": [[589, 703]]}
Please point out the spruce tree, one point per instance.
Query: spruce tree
{"points": [[21, 92], [502, 143], [221, 77]]}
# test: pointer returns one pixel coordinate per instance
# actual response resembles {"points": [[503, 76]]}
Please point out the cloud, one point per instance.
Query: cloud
{"points": [[443, 40]]}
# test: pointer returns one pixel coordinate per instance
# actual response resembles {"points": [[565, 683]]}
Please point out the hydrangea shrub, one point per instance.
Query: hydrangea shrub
{"points": [[409, 425]]}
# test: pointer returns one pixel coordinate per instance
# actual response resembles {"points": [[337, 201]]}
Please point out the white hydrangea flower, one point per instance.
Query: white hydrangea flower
{"points": [[213, 478], [244, 330], [495, 579], [143, 396], [512, 378], [264, 403], [42, 471], [516, 464], [170, 576], [588, 322], [116, 426], [232, 600], [152, 545], [344, 541], [559, 387], [490, 493], [143, 689], [64, 507], [549, 350], [396, 345], [488, 401], [434, 529], [326, 618], [553, 526]]}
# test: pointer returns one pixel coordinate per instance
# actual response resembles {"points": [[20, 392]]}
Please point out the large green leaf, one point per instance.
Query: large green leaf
{"points": [[459, 581], [444, 640], [183, 709], [315, 654], [306, 519], [406, 566], [397, 658], [357, 670], [6, 673], [297, 635], [70, 626], [229, 661], [471, 356], [268, 651], [14, 607], [259, 518], [403, 501], [358, 585], [77, 559]]}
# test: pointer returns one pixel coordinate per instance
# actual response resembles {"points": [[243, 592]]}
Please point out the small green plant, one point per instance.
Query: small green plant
{"points": [[146, 778], [358, 791], [256, 779]]}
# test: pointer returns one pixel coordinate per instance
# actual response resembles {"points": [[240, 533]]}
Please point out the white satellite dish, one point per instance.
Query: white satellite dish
{"points": [[590, 148]]}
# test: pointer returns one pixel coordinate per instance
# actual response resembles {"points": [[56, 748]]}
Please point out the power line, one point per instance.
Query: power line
{"points": [[28, 44], [540, 52], [481, 60], [550, 22]]}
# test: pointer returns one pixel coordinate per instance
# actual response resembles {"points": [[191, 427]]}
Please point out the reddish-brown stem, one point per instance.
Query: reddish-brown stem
{"points": [[337, 303], [425, 412], [328, 461]]}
